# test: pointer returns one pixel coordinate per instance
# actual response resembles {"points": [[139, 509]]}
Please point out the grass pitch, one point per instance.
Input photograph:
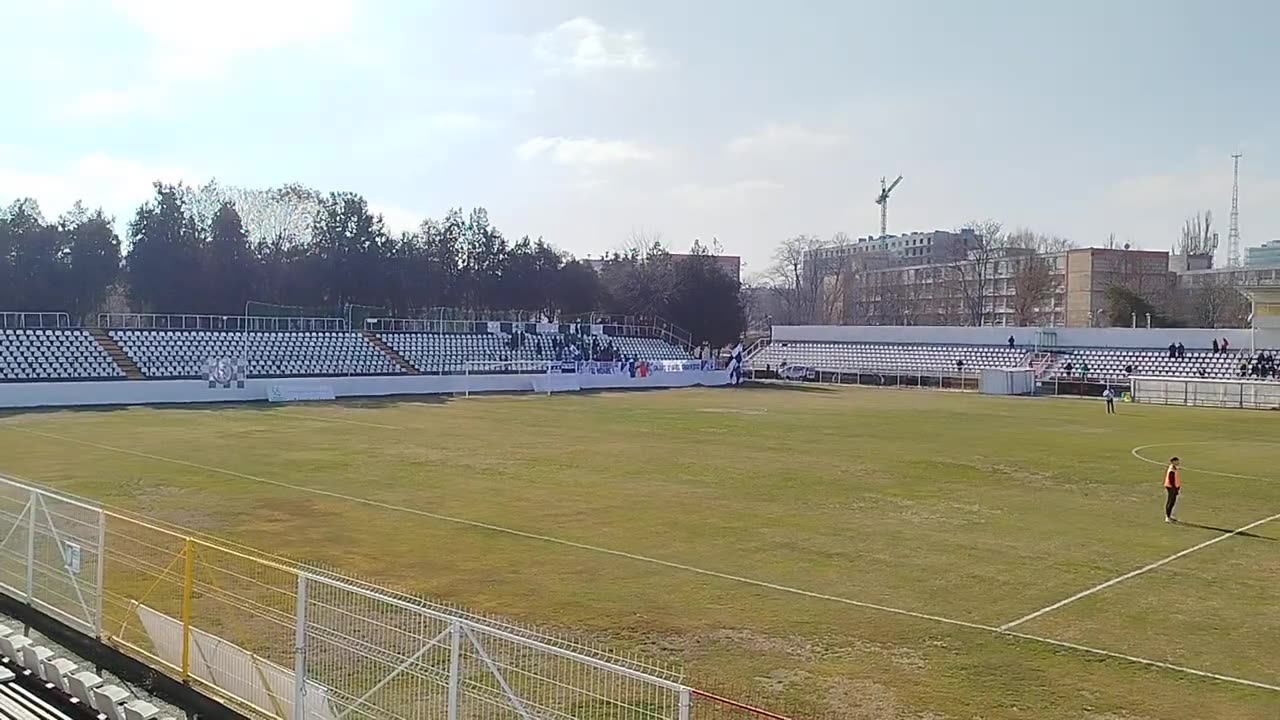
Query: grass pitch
{"points": [[832, 552]]}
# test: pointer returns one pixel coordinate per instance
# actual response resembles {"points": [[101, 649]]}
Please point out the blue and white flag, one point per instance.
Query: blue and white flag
{"points": [[735, 365]]}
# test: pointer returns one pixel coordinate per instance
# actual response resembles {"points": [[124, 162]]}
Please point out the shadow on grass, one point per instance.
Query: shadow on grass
{"points": [[1225, 531]]}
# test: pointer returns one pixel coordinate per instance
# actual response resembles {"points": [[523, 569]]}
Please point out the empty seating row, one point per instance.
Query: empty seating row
{"points": [[82, 687], [187, 353], [649, 349], [886, 357], [53, 354], [1117, 364]]}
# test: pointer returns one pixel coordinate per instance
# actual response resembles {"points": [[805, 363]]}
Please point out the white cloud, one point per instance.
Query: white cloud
{"points": [[116, 184], [1150, 210], [203, 38], [787, 138], [715, 196], [583, 153], [582, 44], [456, 121], [97, 104], [196, 41]]}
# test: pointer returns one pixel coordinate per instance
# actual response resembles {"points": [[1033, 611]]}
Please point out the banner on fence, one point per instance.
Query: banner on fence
{"points": [[299, 393]]}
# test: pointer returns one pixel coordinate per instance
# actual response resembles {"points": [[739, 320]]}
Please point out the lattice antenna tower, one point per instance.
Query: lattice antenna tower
{"points": [[1233, 233]]}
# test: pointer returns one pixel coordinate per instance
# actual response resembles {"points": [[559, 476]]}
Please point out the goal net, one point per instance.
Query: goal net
{"points": [[496, 375]]}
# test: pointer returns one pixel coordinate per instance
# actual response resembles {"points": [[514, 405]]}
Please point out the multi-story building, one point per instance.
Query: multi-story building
{"points": [[1265, 255], [917, 248], [1009, 288]]}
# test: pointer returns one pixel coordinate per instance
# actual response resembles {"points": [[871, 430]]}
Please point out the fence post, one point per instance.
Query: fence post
{"points": [[455, 668], [99, 580], [685, 704], [300, 651], [31, 546], [188, 587]]}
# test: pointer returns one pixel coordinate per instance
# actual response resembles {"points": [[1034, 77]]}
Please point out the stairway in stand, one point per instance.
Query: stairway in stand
{"points": [[390, 352], [118, 356], [1040, 361]]}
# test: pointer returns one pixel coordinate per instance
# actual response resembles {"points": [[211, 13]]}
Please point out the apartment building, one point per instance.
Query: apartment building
{"points": [[1065, 288]]}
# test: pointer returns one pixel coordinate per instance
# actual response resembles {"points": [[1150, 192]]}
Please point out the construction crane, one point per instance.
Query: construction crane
{"points": [[883, 202]]}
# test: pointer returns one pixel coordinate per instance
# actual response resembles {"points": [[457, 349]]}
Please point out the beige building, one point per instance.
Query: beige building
{"points": [[1065, 289]]}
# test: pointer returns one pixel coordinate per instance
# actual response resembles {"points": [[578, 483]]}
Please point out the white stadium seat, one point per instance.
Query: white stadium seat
{"points": [[452, 353], [887, 357], [28, 355], [186, 353]]}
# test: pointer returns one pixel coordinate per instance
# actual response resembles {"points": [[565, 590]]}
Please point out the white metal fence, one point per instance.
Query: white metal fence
{"points": [[277, 640], [1203, 392]]}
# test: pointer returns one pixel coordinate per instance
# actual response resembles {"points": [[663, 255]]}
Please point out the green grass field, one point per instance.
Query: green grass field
{"points": [[807, 507]]}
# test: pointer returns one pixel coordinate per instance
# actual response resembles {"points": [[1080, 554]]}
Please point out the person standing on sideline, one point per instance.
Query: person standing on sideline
{"points": [[1215, 346], [1225, 344], [1110, 396], [1010, 342], [1172, 485]]}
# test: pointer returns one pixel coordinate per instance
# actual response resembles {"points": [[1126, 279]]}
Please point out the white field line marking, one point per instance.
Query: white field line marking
{"points": [[509, 531], [1134, 573], [1158, 563], [323, 418], [1135, 453], [1141, 660], [664, 563]]}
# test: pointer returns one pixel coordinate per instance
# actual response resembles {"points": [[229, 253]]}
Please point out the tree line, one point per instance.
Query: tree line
{"points": [[212, 249]]}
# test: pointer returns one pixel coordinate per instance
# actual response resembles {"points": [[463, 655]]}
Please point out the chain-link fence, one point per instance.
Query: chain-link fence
{"points": [[281, 641]]}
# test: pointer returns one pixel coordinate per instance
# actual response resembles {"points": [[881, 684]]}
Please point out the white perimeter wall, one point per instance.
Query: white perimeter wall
{"points": [[153, 392], [1192, 338]]}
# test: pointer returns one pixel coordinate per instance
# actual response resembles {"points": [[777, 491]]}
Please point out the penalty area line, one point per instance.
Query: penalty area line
{"points": [[659, 562], [1135, 573]]}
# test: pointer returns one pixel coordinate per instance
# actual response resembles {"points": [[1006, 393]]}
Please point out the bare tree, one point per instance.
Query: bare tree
{"points": [[1025, 239], [970, 273], [641, 242], [797, 278], [1216, 302], [1034, 286], [1031, 271], [1198, 238]]}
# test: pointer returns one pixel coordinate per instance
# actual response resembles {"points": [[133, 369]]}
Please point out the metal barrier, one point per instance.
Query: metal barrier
{"points": [[1204, 392], [34, 320], [958, 380], [143, 321], [50, 554], [281, 641]]}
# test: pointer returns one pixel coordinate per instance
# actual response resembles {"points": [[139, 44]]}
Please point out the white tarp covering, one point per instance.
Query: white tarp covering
{"points": [[230, 667], [1007, 381]]}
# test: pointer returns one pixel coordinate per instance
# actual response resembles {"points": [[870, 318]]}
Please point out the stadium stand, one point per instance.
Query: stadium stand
{"points": [[887, 357], [443, 353], [440, 353], [53, 354], [185, 353], [649, 349], [1112, 365], [37, 684]]}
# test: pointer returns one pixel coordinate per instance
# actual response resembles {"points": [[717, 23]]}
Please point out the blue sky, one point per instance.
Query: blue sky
{"points": [[587, 122]]}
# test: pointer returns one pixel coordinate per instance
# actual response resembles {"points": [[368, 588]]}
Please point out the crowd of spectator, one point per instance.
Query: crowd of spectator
{"points": [[1261, 366]]}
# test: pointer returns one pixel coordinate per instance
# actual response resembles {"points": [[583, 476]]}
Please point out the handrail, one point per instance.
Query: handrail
{"points": [[156, 321], [34, 319]]}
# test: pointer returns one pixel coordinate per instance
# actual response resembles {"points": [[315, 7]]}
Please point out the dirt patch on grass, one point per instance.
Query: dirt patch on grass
{"points": [[750, 642], [736, 411], [854, 699]]}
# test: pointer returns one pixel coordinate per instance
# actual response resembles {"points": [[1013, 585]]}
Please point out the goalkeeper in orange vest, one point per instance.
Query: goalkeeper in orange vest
{"points": [[1172, 484]]}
